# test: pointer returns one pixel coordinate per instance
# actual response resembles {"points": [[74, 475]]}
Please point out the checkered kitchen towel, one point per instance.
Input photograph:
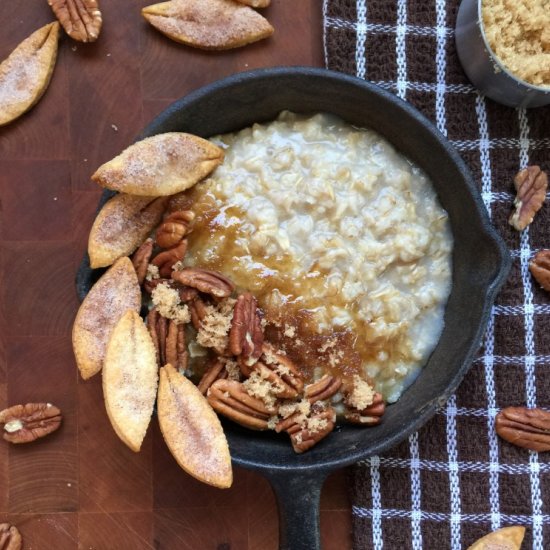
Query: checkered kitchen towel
{"points": [[454, 480]]}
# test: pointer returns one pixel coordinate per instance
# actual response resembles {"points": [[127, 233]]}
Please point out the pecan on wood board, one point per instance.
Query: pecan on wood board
{"points": [[10, 537], [25, 423], [81, 19]]}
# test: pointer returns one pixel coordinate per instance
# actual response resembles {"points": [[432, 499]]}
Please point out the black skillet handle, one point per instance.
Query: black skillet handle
{"points": [[298, 495]]}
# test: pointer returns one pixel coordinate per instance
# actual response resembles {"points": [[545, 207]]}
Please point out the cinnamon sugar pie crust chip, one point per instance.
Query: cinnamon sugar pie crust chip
{"points": [[192, 430], [256, 3], [160, 165], [116, 292], [507, 538], [121, 226], [209, 24], [26, 73], [130, 379]]}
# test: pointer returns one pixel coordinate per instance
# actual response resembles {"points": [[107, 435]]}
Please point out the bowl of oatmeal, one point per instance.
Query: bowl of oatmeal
{"points": [[341, 239], [504, 49], [361, 233]]}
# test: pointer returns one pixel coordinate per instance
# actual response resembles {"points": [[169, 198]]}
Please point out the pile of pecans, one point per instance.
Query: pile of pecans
{"points": [[246, 378]]}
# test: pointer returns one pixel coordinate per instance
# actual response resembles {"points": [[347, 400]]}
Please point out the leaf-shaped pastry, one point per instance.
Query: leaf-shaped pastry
{"points": [[26, 73], [113, 294], [208, 24], [507, 538], [121, 226], [192, 430], [160, 165], [130, 378], [256, 3]]}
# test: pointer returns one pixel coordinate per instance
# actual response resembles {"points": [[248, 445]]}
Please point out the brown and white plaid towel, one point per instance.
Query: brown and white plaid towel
{"points": [[455, 480]]}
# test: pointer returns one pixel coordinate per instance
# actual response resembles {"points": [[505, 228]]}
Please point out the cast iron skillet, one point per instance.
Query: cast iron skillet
{"points": [[480, 265]]}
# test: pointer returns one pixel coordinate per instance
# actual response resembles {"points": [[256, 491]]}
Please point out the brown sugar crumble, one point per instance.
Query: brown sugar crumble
{"points": [[214, 331], [302, 407], [315, 425], [290, 331], [328, 344], [257, 386], [361, 394], [168, 303], [152, 272], [232, 368], [518, 32]]}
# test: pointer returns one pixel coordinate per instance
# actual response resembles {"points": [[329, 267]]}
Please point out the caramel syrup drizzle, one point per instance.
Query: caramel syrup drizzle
{"points": [[219, 241]]}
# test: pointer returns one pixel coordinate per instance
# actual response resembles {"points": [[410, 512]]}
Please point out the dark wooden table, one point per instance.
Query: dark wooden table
{"points": [[81, 487]]}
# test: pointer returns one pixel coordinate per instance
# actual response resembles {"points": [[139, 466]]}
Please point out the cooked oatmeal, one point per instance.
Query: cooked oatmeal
{"points": [[341, 239]]}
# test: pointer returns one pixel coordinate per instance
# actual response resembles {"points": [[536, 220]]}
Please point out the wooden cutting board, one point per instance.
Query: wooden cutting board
{"points": [[81, 487]]}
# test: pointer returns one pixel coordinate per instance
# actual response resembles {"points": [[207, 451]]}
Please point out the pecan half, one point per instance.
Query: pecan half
{"points": [[322, 389], [278, 369], [165, 260], [530, 184], [527, 428], [218, 369], [10, 537], [156, 324], [363, 406], [369, 416], [229, 397], [246, 336], [283, 384], [175, 348], [174, 227], [25, 423], [204, 280], [149, 286], [305, 432], [215, 371], [197, 309], [169, 340], [141, 259], [540, 268], [187, 294], [81, 19]]}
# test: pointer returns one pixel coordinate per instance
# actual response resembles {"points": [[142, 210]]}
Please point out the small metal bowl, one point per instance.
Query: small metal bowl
{"points": [[484, 68]]}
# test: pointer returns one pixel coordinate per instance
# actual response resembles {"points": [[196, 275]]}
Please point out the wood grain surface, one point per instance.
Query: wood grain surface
{"points": [[81, 487]]}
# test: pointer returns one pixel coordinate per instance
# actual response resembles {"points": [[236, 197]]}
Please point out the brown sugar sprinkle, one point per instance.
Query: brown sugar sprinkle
{"points": [[152, 272], [290, 331], [168, 303], [262, 388], [315, 425], [232, 368], [215, 326], [291, 353], [361, 394], [327, 345], [288, 409]]}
